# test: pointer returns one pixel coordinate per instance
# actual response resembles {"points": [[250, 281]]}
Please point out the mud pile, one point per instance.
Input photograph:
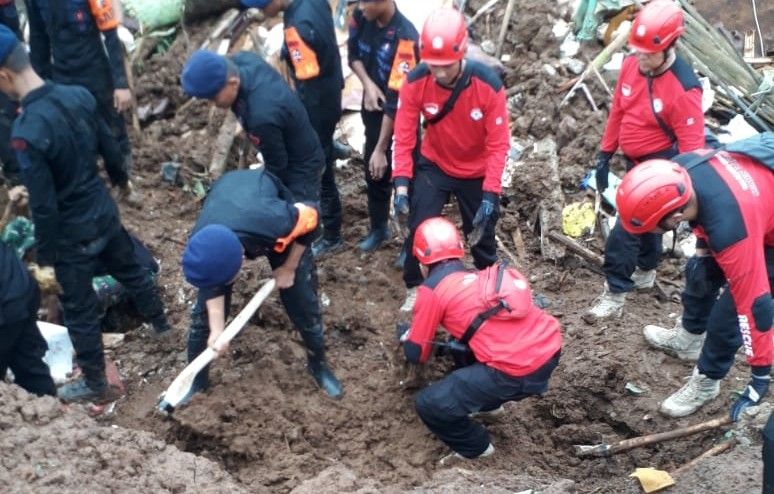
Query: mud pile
{"points": [[265, 423], [51, 448]]}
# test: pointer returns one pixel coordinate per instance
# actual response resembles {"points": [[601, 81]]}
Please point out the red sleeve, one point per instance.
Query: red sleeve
{"points": [[687, 121], [744, 265], [427, 317], [498, 142], [613, 126], [405, 133]]}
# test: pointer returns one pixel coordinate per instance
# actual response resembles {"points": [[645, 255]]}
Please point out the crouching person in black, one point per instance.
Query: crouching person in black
{"points": [[21, 345], [250, 213]]}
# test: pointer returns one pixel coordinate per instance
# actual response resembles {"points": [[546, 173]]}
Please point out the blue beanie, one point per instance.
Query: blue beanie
{"points": [[212, 257], [204, 74], [258, 4], [8, 42]]}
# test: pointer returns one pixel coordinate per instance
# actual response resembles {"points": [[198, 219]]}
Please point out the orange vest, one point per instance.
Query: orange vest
{"points": [[104, 15], [304, 58], [402, 64], [307, 221]]}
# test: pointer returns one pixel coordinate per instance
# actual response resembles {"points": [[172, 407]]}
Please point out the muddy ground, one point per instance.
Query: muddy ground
{"points": [[264, 427]]}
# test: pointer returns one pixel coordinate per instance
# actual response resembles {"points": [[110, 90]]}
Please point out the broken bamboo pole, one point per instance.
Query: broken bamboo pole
{"points": [[574, 246], [713, 451], [636, 442], [504, 28]]}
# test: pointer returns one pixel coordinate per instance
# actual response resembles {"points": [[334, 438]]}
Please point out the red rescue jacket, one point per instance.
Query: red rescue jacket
{"points": [[449, 297]]}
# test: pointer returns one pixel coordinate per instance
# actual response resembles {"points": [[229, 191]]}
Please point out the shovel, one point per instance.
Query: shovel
{"points": [[181, 386]]}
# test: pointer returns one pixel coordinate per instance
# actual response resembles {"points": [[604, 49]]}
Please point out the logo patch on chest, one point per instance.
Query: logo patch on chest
{"points": [[431, 108], [626, 90], [476, 114], [658, 105]]}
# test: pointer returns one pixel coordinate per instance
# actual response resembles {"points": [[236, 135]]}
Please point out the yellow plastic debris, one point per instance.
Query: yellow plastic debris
{"points": [[653, 480], [578, 218]]}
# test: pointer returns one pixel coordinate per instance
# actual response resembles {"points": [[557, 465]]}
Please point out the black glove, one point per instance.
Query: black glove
{"points": [[753, 394], [486, 210], [401, 329], [603, 169]]}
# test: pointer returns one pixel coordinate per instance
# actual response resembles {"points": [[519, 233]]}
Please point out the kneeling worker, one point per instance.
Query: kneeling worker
{"points": [[250, 213], [516, 345]]}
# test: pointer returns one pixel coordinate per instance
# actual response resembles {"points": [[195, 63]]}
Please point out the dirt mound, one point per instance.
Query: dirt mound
{"points": [[51, 448], [265, 422]]}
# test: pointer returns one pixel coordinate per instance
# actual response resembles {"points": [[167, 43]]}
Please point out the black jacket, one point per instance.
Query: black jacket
{"points": [[255, 205], [278, 125], [18, 291], [65, 32], [57, 138]]}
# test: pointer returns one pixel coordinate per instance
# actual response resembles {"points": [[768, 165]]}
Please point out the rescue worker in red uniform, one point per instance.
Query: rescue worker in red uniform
{"points": [[514, 357], [656, 113], [383, 47], [465, 144], [312, 56], [727, 198]]}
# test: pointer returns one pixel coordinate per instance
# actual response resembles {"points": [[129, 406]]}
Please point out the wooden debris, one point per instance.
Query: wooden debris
{"points": [[223, 145], [504, 28], [713, 451], [574, 246]]}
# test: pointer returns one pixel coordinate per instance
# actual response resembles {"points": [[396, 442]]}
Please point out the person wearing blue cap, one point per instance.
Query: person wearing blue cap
{"points": [[77, 224], [270, 113], [9, 17], [312, 56], [76, 42], [250, 213]]}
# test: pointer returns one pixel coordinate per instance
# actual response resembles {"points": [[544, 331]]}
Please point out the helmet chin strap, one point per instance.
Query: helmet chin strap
{"points": [[669, 58]]}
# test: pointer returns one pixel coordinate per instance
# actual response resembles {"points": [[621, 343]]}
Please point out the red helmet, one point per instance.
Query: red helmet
{"points": [[444, 38], [437, 239], [649, 192], [657, 26]]}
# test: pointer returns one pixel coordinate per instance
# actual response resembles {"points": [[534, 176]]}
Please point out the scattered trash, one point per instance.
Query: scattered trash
{"points": [[609, 194], [653, 480], [574, 65], [560, 29], [578, 219], [59, 356], [488, 46], [569, 47], [635, 390], [170, 172]]}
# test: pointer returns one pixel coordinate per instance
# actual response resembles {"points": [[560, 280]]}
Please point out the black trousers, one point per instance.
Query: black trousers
{"points": [[379, 191], [115, 122], [444, 406], [723, 335], [75, 268], [624, 252], [22, 348], [324, 113], [301, 304], [432, 189]]}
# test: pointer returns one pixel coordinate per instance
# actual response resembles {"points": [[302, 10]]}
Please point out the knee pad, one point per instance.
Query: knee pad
{"points": [[763, 312]]}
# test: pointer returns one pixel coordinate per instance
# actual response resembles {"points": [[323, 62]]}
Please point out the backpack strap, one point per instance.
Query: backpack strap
{"points": [[668, 131], [461, 84], [481, 318], [692, 160]]}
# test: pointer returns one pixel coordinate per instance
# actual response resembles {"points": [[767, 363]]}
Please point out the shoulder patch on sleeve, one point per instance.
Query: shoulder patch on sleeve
{"points": [[485, 74], [104, 14], [420, 71], [684, 73], [18, 144]]}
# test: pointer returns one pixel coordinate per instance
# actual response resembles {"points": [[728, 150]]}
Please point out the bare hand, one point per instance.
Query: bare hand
{"points": [[129, 195], [122, 99], [373, 97], [377, 165], [284, 277], [219, 348]]}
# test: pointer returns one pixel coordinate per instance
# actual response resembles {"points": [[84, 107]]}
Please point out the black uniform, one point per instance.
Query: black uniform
{"points": [[77, 225], [321, 95], [21, 345], [66, 45], [259, 209], [376, 48], [8, 108], [276, 122]]}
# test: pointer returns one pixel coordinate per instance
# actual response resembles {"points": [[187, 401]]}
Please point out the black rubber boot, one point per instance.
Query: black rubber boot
{"points": [[401, 259], [316, 364], [97, 391], [376, 237], [327, 246]]}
